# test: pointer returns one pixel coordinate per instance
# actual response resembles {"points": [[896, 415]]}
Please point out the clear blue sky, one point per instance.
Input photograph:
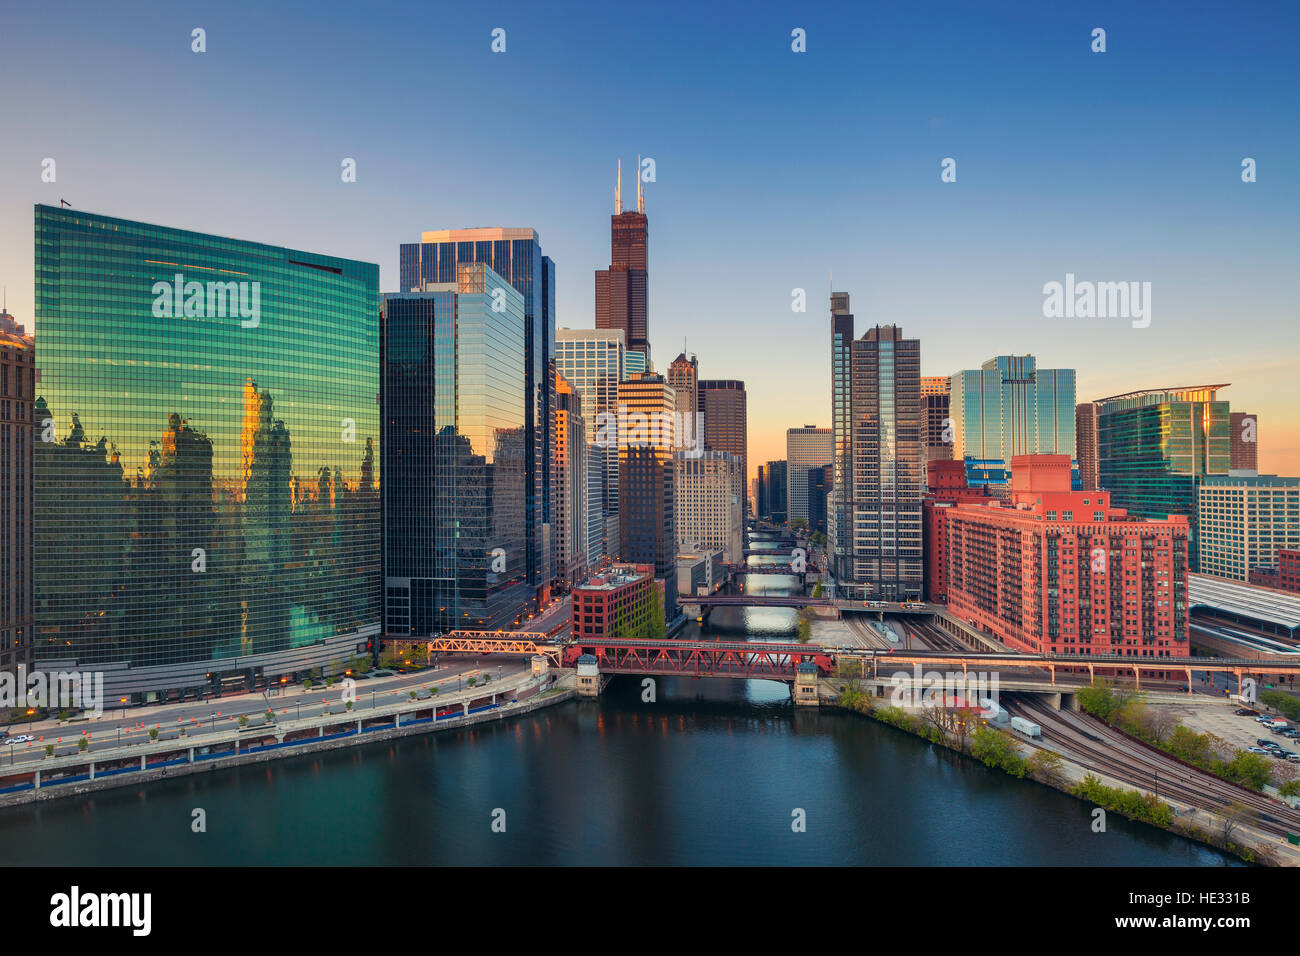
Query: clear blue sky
{"points": [[773, 168]]}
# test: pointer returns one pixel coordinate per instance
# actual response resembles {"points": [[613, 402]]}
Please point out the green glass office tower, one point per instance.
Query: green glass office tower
{"points": [[455, 455], [1154, 446], [207, 480]]}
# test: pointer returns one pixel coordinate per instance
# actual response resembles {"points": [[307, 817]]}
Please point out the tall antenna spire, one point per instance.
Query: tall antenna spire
{"points": [[618, 190], [640, 200]]}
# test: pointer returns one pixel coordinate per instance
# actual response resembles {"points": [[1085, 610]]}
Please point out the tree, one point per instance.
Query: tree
{"points": [[1046, 765], [803, 627], [1248, 769], [1232, 817], [83, 744]]}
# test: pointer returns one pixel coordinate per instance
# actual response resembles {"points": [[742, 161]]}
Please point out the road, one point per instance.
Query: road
{"points": [[200, 717]]}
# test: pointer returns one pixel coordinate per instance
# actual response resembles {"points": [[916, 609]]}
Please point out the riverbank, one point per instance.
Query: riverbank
{"points": [[75, 775], [1070, 777]]}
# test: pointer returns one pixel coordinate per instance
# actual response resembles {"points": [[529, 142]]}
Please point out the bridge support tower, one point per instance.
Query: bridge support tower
{"points": [[805, 686]]}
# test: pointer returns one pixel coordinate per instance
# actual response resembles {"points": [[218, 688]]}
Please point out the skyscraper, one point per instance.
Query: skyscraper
{"points": [[820, 483], [1155, 445], [17, 390], [938, 431], [883, 499], [684, 377], [621, 290], [515, 255], [593, 362], [1245, 441], [1085, 444], [207, 512], [570, 484], [723, 405], [646, 507], [839, 531], [806, 447], [778, 512], [1008, 407], [454, 460]]}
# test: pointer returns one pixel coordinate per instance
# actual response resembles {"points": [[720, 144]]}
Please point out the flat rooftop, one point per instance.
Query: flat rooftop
{"points": [[1248, 600]]}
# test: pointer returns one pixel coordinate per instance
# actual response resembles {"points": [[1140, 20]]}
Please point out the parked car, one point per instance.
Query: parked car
{"points": [[1258, 750], [1265, 742], [1247, 712], [1284, 754], [20, 739]]}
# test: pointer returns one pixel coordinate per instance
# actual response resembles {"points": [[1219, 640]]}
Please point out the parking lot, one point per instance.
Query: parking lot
{"points": [[1242, 732]]}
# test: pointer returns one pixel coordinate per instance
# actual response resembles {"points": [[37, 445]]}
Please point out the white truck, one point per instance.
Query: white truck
{"points": [[1026, 727]]}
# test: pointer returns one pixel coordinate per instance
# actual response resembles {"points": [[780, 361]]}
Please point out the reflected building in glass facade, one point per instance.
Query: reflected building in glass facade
{"points": [[207, 500], [1009, 407], [516, 256], [454, 396]]}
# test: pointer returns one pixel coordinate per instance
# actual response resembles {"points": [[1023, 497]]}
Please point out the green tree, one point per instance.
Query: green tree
{"points": [[1046, 765], [83, 744], [803, 627], [1248, 769]]}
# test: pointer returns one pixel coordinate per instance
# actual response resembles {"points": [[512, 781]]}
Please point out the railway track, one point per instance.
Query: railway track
{"points": [[1096, 746]]}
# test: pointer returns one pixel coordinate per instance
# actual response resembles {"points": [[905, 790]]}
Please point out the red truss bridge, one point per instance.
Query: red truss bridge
{"points": [[700, 658]]}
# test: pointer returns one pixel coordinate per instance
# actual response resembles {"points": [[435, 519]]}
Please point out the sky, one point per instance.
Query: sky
{"points": [[774, 169]]}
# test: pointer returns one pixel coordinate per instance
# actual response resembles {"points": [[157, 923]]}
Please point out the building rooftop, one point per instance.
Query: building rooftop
{"points": [[1248, 600]]}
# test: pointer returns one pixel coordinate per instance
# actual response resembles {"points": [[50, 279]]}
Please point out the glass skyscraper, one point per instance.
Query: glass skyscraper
{"points": [[1008, 407], [1154, 446], [516, 256], [454, 397], [207, 482]]}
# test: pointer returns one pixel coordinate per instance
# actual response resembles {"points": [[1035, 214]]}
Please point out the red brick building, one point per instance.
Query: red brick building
{"points": [[946, 484], [620, 599], [1288, 570], [1061, 571]]}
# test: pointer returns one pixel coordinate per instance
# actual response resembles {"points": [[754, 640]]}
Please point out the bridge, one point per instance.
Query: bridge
{"points": [[523, 643], [772, 569], [761, 600], [700, 658]]}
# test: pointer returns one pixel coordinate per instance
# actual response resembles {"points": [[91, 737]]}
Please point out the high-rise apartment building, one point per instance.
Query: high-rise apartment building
{"points": [[722, 402], [569, 485], [1085, 444], [1009, 407], [17, 432], [710, 515], [1243, 520], [647, 497], [1154, 446], [207, 513], [622, 289], [821, 482], [1244, 455], [1065, 572], [516, 256], [806, 447], [454, 395]]}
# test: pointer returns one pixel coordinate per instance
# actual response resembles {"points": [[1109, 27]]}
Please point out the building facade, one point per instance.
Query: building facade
{"points": [[625, 601], [454, 450], [821, 483], [1085, 444], [1244, 519], [1244, 453], [17, 432], [684, 377], [1064, 572], [569, 485], [938, 423], [773, 490], [805, 448], [206, 509], [1288, 569], [724, 406], [945, 488], [647, 493], [593, 361], [1155, 446], [710, 514], [516, 256], [1009, 407]]}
